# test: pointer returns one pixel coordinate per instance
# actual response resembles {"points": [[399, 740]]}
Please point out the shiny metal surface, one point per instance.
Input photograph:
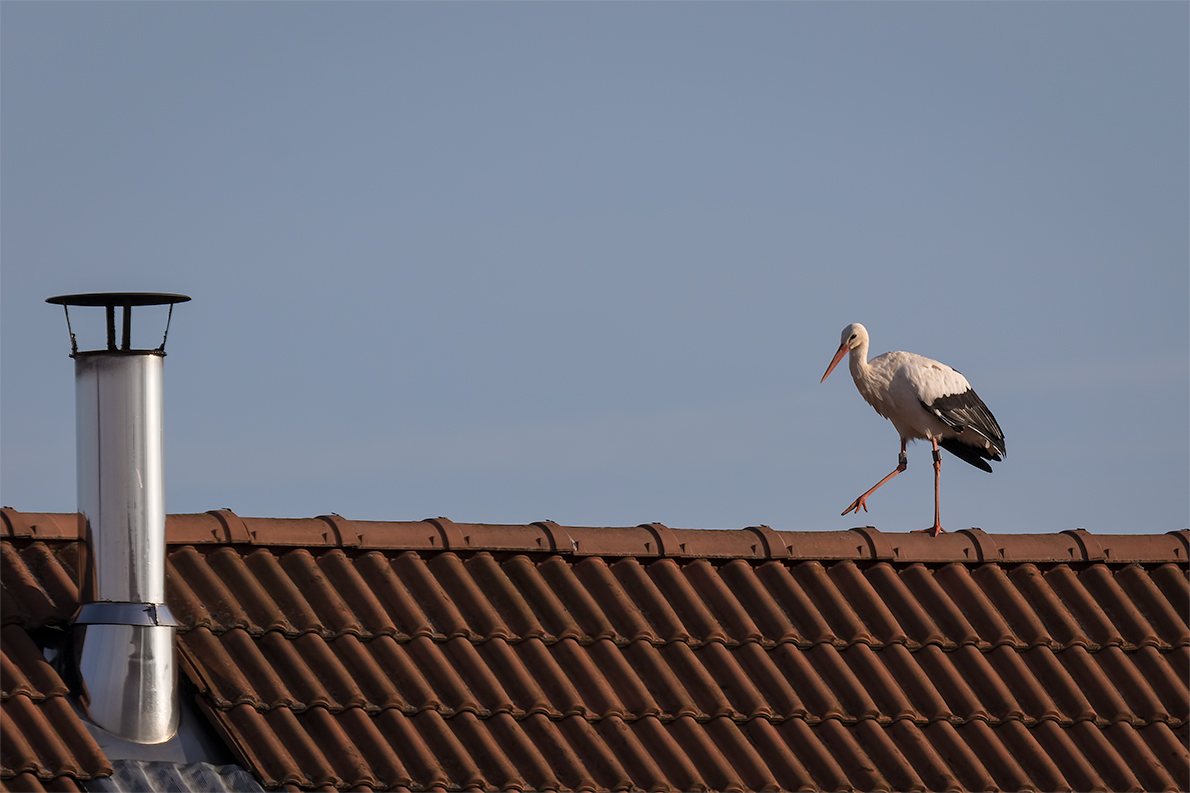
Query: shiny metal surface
{"points": [[133, 776], [124, 634], [124, 614], [129, 679], [121, 490]]}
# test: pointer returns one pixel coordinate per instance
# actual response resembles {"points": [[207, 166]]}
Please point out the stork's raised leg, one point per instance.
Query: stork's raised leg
{"points": [[861, 502], [937, 529]]}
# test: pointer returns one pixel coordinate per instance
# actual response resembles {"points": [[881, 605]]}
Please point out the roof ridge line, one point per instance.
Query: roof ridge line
{"points": [[758, 544]]}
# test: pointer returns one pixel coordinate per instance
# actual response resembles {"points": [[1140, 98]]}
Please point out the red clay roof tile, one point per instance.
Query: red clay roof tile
{"points": [[423, 655], [23, 668], [44, 745], [44, 737], [25, 782]]}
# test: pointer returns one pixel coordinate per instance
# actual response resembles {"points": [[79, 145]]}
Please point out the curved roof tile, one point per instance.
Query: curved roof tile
{"points": [[338, 654]]}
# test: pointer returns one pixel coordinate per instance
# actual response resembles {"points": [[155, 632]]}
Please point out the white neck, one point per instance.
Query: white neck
{"points": [[858, 361]]}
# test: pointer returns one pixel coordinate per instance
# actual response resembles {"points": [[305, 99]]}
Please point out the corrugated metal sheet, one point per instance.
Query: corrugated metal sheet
{"points": [[138, 776], [342, 655]]}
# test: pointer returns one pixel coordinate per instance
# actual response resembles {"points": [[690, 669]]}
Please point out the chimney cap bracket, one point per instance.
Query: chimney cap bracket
{"points": [[126, 300]]}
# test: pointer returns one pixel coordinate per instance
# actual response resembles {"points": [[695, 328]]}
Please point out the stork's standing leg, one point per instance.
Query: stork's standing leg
{"points": [[902, 464], [936, 529]]}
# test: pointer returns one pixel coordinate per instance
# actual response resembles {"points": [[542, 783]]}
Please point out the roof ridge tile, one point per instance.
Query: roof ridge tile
{"points": [[331, 530]]}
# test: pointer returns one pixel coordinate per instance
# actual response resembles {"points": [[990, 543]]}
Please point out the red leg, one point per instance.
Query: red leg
{"points": [[861, 502], [937, 529]]}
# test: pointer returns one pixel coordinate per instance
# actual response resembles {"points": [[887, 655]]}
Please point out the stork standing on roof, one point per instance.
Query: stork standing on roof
{"points": [[925, 400]]}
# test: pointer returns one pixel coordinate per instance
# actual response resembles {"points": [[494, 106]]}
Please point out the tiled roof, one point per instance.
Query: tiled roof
{"points": [[43, 743], [337, 654]]}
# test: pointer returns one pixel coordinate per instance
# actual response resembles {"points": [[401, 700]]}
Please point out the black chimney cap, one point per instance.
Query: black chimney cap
{"points": [[125, 300], [119, 299]]}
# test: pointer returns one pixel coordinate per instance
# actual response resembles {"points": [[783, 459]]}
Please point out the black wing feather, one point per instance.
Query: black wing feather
{"points": [[963, 413]]}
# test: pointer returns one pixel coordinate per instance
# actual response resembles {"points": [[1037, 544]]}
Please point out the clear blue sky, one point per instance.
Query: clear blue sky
{"points": [[587, 262]]}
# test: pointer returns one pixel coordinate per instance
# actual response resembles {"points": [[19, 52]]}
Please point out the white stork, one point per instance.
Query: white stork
{"points": [[926, 400]]}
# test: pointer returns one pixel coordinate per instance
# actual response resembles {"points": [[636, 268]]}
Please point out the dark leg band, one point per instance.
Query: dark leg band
{"points": [[903, 459], [937, 455]]}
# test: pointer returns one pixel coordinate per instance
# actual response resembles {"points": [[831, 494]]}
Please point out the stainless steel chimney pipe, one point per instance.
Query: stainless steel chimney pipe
{"points": [[120, 486], [124, 634]]}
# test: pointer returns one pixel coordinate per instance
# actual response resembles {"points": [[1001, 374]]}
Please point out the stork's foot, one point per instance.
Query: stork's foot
{"points": [[862, 501], [933, 531], [857, 505]]}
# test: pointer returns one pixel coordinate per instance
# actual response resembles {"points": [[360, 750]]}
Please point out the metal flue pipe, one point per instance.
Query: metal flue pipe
{"points": [[123, 632]]}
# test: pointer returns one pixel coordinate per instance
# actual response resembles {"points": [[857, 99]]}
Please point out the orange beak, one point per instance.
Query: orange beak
{"points": [[843, 350]]}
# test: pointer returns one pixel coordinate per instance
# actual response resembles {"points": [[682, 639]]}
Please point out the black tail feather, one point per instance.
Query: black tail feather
{"points": [[976, 455]]}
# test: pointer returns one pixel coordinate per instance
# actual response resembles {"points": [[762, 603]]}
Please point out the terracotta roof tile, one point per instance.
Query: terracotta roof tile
{"points": [[1161, 611], [1171, 580], [1020, 623], [25, 782], [833, 604], [46, 739], [387, 600], [914, 623], [337, 654], [23, 668], [44, 746], [1060, 625], [39, 587]]}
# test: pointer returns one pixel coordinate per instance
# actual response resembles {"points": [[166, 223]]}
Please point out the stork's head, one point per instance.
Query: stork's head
{"points": [[853, 336]]}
